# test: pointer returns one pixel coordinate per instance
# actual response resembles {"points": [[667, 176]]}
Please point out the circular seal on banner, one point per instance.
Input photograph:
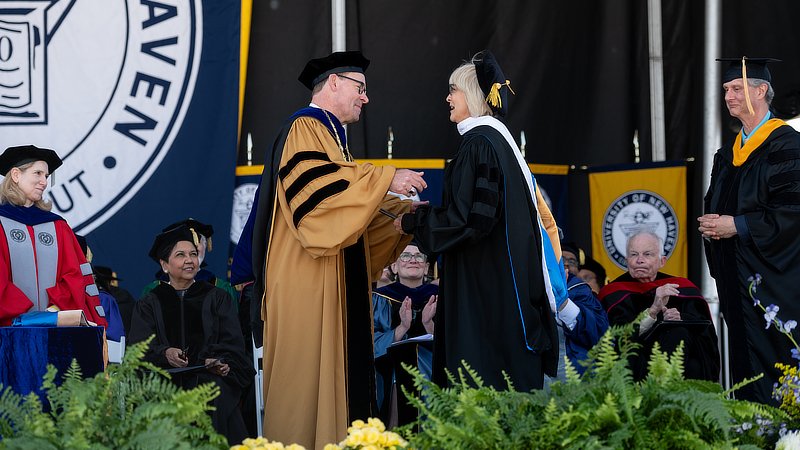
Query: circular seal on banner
{"points": [[243, 197], [631, 211], [104, 84], [18, 235], [46, 238]]}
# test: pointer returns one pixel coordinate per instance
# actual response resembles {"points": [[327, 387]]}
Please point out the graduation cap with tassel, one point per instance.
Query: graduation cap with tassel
{"points": [[744, 67]]}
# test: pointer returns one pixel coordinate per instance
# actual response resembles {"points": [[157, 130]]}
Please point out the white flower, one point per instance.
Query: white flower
{"points": [[789, 441]]}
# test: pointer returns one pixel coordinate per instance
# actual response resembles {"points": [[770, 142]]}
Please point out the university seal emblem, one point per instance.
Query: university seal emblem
{"points": [[631, 211], [106, 84]]}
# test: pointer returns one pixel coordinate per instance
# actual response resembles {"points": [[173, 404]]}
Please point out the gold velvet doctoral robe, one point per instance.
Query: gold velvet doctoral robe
{"points": [[323, 205]]}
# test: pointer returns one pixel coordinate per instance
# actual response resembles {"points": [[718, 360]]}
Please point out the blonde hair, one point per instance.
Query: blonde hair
{"points": [[11, 193], [466, 80]]}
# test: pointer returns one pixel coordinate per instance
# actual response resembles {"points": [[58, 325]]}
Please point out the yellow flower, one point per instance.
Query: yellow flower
{"points": [[332, 447], [371, 435], [358, 424], [355, 438], [240, 447], [295, 447], [375, 422], [370, 447]]}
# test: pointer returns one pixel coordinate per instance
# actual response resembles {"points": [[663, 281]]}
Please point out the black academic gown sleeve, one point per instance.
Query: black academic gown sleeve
{"points": [[474, 200], [493, 310]]}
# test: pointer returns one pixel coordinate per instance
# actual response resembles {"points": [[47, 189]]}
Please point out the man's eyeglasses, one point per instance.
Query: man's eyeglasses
{"points": [[571, 261], [418, 257], [362, 87]]}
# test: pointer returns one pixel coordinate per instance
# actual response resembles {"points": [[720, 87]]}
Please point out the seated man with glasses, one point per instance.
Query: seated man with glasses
{"points": [[402, 310]]}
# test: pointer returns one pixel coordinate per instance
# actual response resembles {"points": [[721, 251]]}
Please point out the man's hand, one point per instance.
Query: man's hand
{"points": [[663, 294], [174, 357], [428, 312], [672, 314], [714, 226], [407, 182], [405, 320]]}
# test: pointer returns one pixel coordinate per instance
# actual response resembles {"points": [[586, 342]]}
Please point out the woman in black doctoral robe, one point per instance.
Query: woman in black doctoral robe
{"points": [[495, 309], [195, 324]]}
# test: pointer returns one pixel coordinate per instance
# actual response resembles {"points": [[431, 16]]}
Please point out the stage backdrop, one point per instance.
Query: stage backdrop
{"points": [[139, 98], [627, 196]]}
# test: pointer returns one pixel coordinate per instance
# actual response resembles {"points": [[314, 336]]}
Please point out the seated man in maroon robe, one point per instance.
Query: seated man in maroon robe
{"points": [[677, 312]]}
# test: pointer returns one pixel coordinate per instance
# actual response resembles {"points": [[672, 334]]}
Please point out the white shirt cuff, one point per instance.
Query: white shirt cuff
{"points": [[569, 315], [646, 324]]}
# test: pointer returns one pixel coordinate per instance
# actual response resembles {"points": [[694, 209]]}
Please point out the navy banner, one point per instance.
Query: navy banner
{"points": [[140, 100]]}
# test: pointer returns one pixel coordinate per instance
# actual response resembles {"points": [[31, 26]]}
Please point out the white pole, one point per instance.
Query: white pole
{"points": [[656, 81], [712, 140], [712, 122], [338, 37]]}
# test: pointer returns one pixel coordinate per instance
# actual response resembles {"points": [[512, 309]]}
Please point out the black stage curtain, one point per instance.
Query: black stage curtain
{"points": [[579, 69]]}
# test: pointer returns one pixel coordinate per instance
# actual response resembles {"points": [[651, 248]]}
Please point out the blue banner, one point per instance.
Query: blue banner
{"points": [[140, 100]]}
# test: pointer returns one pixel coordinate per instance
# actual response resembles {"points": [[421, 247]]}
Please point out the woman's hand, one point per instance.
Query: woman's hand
{"points": [[428, 312], [405, 320], [174, 357], [218, 368]]}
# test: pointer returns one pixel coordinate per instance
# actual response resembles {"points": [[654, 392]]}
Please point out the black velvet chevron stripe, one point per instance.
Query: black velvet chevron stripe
{"points": [[783, 155], [486, 196], [300, 157], [316, 198], [786, 198], [491, 174], [307, 177], [479, 222], [784, 177]]}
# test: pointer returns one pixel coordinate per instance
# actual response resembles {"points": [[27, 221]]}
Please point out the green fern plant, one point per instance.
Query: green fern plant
{"points": [[130, 406], [604, 409]]}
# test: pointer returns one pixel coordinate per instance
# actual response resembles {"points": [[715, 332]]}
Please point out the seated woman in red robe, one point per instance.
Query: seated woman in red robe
{"points": [[42, 266]]}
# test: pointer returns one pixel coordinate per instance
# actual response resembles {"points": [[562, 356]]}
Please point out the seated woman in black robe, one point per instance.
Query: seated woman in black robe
{"points": [[194, 324]]}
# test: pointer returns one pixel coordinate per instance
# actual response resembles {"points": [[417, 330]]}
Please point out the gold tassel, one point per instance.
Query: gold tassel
{"points": [[746, 88], [194, 237], [88, 255], [494, 94], [209, 243]]}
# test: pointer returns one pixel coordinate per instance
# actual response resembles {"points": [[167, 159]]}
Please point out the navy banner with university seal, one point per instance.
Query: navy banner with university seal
{"points": [[140, 100]]}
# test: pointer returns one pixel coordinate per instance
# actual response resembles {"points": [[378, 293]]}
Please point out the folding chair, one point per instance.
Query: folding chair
{"points": [[258, 353], [116, 350]]}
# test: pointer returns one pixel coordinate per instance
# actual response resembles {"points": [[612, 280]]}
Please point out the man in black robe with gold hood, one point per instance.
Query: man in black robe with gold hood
{"points": [[752, 211]]}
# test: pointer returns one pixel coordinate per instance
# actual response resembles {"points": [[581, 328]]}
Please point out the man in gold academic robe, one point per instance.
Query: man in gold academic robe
{"points": [[319, 241]]}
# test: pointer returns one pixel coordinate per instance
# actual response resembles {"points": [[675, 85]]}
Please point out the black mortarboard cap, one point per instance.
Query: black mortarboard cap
{"points": [[493, 83], [318, 69], [23, 154], [756, 68], [571, 247], [168, 239], [105, 273], [198, 227], [595, 267]]}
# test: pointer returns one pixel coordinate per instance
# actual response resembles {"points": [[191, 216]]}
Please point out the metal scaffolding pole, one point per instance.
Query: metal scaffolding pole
{"points": [[656, 80], [338, 36], [712, 137]]}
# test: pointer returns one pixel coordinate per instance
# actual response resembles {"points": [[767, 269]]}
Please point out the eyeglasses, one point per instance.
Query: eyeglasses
{"points": [[362, 87], [418, 257], [571, 261]]}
